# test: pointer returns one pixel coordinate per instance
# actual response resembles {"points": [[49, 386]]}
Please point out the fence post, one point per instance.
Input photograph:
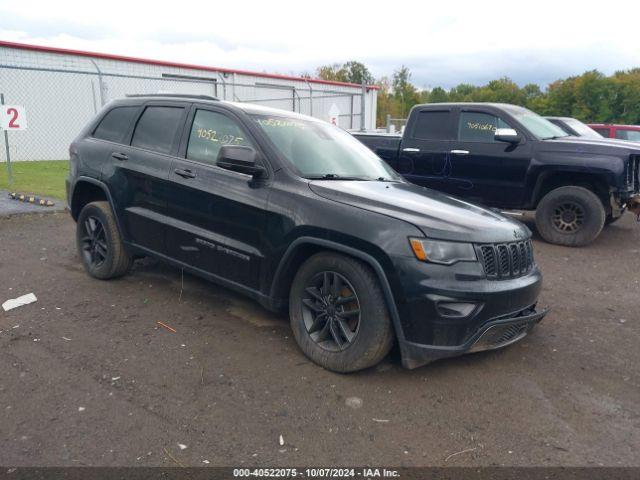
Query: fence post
{"points": [[362, 107], [100, 82], [6, 146], [388, 123], [310, 97]]}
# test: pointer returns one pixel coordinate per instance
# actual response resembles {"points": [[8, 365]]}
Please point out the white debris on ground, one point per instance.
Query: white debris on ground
{"points": [[281, 440], [182, 446], [19, 302], [353, 402]]}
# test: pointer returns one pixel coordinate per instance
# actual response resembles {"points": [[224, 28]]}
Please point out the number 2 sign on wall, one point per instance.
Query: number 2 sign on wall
{"points": [[13, 117]]}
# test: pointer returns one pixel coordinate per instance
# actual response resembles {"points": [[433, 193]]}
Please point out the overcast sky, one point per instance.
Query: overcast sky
{"points": [[443, 42]]}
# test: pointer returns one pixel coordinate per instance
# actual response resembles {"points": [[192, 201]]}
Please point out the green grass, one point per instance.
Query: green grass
{"points": [[44, 178]]}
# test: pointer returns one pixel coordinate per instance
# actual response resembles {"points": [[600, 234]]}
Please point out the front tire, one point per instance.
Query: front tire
{"points": [[571, 216], [338, 313], [99, 244]]}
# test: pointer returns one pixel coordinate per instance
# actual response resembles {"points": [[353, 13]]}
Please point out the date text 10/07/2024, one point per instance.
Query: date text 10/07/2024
{"points": [[364, 473]]}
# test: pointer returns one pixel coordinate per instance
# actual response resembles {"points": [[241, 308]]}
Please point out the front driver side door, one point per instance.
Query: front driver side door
{"points": [[217, 215], [485, 170]]}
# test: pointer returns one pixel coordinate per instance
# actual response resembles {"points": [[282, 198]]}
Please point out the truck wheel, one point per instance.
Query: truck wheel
{"points": [[99, 244], [571, 216], [338, 313]]}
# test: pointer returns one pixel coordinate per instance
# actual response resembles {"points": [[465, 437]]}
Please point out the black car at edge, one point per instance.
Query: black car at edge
{"points": [[296, 213]]}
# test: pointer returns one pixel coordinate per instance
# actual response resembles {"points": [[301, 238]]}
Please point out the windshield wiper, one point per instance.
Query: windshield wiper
{"points": [[334, 176]]}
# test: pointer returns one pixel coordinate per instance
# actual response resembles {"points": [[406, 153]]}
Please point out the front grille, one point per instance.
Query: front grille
{"points": [[506, 260], [633, 173]]}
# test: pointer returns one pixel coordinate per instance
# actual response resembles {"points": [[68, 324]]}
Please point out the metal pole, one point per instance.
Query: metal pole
{"points": [[100, 82], [362, 107], [310, 97], [388, 123], [6, 146]]}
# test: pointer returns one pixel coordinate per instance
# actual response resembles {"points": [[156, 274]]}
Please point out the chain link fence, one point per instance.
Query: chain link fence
{"points": [[60, 101]]}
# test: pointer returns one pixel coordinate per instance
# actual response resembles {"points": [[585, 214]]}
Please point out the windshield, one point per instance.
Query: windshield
{"points": [[321, 150], [582, 129], [542, 128]]}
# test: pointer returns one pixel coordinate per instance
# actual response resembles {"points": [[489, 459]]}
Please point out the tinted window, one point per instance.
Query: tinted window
{"points": [[433, 125], [115, 124], [603, 131], [158, 128], [479, 127], [209, 132], [628, 135]]}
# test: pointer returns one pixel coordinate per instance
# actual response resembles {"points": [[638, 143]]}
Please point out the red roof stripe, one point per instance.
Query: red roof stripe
{"points": [[122, 58]]}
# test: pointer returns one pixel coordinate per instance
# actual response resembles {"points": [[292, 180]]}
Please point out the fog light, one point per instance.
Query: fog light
{"points": [[455, 309]]}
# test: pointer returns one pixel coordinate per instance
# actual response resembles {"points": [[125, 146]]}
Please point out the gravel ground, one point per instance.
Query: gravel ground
{"points": [[90, 378]]}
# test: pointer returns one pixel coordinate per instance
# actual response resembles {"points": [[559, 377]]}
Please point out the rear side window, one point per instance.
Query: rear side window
{"points": [[479, 127], [433, 125], [628, 135], [209, 132], [115, 124], [158, 128]]}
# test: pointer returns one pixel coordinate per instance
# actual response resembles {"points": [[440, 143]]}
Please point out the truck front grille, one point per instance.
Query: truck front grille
{"points": [[506, 260]]}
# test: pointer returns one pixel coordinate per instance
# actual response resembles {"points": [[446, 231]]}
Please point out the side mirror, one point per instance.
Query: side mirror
{"points": [[508, 135], [239, 159]]}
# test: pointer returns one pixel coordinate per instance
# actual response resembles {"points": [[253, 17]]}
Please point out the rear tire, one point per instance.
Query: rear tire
{"points": [[570, 216], [324, 323], [99, 244]]}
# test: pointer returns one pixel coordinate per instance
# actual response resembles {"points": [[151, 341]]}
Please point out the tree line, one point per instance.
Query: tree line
{"points": [[591, 97]]}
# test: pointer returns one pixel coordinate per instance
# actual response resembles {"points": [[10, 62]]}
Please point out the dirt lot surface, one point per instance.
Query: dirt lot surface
{"points": [[89, 378]]}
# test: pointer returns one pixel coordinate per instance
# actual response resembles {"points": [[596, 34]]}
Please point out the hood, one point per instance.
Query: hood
{"points": [[438, 215], [605, 146]]}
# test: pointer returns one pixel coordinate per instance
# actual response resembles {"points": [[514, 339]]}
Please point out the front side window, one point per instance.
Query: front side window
{"points": [[158, 129], [603, 131], [209, 132], [479, 127], [115, 124], [319, 150], [433, 125]]}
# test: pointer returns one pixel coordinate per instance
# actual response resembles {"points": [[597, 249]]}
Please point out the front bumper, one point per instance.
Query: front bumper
{"points": [[446, 311], [494, 334]]}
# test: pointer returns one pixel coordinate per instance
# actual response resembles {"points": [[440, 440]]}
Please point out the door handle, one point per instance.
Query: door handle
{"points": [[460, 152], [119, 156], [410, 149], [186, 173]]}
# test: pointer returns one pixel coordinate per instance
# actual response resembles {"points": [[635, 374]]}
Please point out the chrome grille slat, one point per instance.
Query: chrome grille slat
{"points": [[506, 260]]}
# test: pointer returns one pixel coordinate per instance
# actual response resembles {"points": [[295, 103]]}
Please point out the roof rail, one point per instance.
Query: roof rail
{"points": [[173, 95]]}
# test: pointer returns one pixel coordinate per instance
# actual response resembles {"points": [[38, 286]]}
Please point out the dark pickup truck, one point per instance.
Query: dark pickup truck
{"points": [[509, 157]]}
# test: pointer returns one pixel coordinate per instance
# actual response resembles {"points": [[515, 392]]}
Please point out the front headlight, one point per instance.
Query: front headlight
{"points": [[438, 251]]}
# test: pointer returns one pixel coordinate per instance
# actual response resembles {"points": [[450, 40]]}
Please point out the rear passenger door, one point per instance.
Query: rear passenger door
{"points": [[217, 215], [424, 152], [138, 173], [484, 170]]}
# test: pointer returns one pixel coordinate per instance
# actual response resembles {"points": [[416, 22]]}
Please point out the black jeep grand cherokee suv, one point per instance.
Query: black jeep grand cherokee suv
{"points": [[294, 211]]}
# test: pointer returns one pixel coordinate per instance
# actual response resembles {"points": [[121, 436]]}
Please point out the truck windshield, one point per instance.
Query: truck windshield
{"points": [[542, 128], [320, 150], [582, 129]]}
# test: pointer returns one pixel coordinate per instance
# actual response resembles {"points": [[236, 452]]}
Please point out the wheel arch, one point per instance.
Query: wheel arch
{"points": [[303, 247], [550, 180]]}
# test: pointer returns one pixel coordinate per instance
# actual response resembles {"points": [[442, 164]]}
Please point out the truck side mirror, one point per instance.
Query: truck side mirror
{"points": [[239, 159], [508, 135]]}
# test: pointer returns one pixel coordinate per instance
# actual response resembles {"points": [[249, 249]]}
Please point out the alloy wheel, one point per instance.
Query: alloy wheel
{"points": [[331, 311], [94, 242], [568, 217]]}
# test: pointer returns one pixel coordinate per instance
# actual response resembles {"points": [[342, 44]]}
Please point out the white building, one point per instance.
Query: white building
{"points": [[62, 89]]}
